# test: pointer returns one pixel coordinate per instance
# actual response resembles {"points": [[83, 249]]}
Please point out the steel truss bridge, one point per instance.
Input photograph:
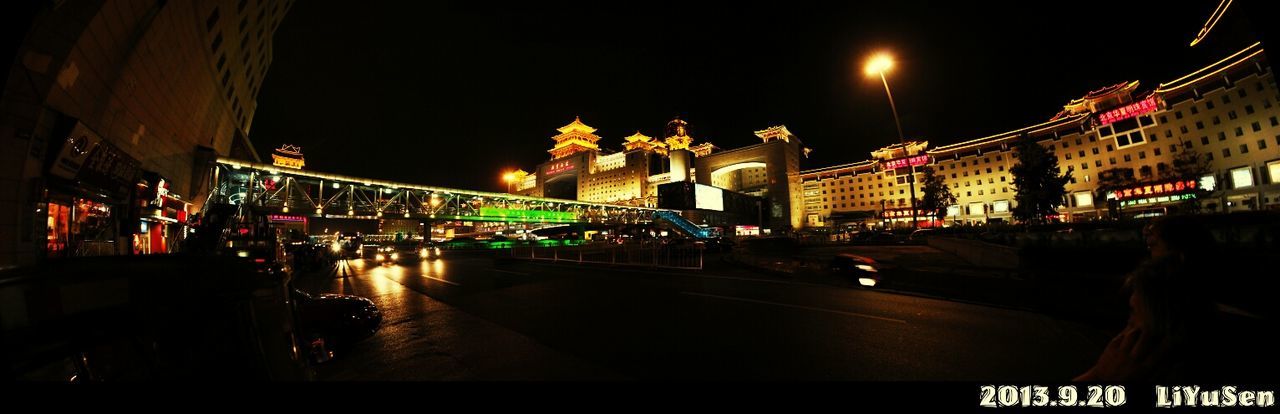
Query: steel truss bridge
{"points": [[273, 189]]}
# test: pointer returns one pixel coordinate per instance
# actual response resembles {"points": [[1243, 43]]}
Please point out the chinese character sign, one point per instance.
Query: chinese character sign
{"points": [[1155, 189], [1128, 111], [915, 161]]}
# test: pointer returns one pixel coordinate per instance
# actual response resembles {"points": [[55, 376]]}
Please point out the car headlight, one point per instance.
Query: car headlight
{"points": [[866, 281], [866, 268], [395, 256], [379, 256], [422, 252], [437, 251]]}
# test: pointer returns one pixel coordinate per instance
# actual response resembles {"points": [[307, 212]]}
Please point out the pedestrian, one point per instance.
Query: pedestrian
{"points": [[1166, 337]]}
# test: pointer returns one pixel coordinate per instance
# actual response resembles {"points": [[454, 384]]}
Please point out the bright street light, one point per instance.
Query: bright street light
{"points": [[878, 65]]}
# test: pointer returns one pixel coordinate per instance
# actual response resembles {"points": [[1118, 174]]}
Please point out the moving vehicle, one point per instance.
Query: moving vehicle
{"points": [[863, 270], [333, 322]]}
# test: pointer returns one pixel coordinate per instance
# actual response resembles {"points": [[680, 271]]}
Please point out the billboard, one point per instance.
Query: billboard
{"points": [[708, 198]]}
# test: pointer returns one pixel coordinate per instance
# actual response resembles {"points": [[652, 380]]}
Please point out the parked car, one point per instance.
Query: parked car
{"points": [[333, 323], [717, 244], [863, 270], [921, 234]]}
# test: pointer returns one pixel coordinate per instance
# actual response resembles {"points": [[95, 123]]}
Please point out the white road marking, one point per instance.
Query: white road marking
{"points": [[441, 280], [860, 315]]}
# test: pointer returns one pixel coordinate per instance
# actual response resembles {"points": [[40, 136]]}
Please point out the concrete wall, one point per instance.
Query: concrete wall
{"points": [[978, 253]]}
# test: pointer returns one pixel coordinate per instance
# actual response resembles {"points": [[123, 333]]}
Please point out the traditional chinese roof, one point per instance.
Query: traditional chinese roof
{"points": [[1206, 73], [577, 126], [703, 149], [1108, 96], [638, 137], [776, 132]]}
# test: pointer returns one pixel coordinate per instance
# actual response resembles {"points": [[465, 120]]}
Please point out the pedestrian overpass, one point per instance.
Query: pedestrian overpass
{"points": [[273, 189]]}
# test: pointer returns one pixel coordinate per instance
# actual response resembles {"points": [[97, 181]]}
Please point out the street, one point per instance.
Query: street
{"points": [[471, 317]]}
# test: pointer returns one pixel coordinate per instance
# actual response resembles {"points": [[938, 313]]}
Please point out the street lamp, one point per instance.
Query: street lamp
{"points": [[509, 178], [878, 65]]}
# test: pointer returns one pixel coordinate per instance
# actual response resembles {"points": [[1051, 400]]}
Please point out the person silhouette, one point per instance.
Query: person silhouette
{"points": [[1164, 338]]}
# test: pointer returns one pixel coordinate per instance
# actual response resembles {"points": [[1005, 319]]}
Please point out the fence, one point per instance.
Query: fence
{"points": [[671, 257]]}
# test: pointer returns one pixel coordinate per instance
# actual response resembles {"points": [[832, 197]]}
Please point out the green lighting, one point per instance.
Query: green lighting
{"points": [[528, 215]]}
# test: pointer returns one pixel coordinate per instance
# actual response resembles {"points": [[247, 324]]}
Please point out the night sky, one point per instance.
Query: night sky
{"points": [[452, 94]]}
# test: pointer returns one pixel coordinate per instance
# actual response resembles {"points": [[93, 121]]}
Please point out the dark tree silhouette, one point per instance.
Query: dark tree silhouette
{"points": [[1040, 186]]}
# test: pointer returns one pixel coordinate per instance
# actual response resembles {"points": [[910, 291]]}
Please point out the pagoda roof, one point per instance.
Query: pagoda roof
{"points": [[638, 137], [577, 126], [1235, 60]]}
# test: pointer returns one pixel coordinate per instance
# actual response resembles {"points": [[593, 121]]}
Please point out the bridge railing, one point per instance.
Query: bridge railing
{"points": [[657, 256]]}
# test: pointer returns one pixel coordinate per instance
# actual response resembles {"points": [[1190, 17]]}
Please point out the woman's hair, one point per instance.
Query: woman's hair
{"points": [[1172, 296]]}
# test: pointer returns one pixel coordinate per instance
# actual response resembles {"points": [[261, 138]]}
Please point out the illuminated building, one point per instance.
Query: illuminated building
{"points": [[113, 113], [1227, 111], [580, 170]]}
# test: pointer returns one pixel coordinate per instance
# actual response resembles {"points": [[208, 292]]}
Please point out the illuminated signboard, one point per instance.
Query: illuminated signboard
{"points": [[283, 218], [915, 161], [905, 213], [706, 197], [289, 156], [559, 167], [1159, 189], [533, 215], [1154, 200], [1128, 111]]}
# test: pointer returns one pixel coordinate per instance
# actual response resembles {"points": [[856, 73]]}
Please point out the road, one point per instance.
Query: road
{"points": [[469, 317]]}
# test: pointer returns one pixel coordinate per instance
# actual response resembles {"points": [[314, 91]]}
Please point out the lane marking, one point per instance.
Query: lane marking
{"points": [[439, 280], [511, 272], [786, 305]]}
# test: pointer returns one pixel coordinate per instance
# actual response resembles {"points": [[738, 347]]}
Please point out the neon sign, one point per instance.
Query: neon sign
{"points": [[282, 218], [289, 156], [1128, 111], [1158, 189], [534, 215], [559, 167], [1161, 199], [905, 213], [915, 161]]}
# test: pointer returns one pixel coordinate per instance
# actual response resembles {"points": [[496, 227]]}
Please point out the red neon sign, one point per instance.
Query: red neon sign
{"points": [[286, 218], [1128, 111], [1155, 189], [915, 161], [901, 213], [559, 167]]}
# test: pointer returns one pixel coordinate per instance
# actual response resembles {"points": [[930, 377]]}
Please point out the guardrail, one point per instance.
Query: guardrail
{"points": [[669, 257]]}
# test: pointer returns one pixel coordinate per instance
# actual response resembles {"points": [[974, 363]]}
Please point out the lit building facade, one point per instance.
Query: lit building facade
{"points": [[580, 170], [113, 112], [1227, 111]]}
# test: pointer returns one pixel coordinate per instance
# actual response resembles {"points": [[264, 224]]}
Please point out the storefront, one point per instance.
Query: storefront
{"points": [[902, 218], [1155, 199], [162, 217], [86, 195]]}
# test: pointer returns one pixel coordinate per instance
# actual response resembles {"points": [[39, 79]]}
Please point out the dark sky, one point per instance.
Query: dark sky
{"points": [[452, 94]]}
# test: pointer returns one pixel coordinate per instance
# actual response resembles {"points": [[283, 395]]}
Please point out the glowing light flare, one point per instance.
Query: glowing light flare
{"points": [[866, 281], [878, 64]]}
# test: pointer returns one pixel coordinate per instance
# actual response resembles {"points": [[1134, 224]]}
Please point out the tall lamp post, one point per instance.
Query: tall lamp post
{"points": [[878, 65], [510, 179]]}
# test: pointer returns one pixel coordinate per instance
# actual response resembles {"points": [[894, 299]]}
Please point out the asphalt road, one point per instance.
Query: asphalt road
{"points": [[469, 317]]}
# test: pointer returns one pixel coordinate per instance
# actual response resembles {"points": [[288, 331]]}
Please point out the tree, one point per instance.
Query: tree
{"points": [[937, 196], [1190, 164], [1040, 186], [1111, 180]]}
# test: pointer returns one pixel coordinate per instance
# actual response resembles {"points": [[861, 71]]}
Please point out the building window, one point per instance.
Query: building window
{"points": [[212, 21], [1164, 119], [1242, 93], [1208, 104], [1239, 131], [1084, 165], [1216, 121], [1222, 136], [1095, 150], [1156, 152], [1226, 152], [1096, 163], [1109, 149], [1262, 144], [1226, 99], [1183, 129], [1084, 199], [1231, 114], [1275, 122], [1112, 160], [1142, 155], [1199, 125], [1273, 169], [217, 42], [1244, 148], [1256, 127], [1248, 109], [1177, 115], [1168, 133], [1242, 177], [1128, 157]]}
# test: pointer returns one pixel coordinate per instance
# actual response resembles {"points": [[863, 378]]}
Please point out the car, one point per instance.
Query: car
{"points": [[921, 234], [334, 323], [864, 270], [717, 244]]}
